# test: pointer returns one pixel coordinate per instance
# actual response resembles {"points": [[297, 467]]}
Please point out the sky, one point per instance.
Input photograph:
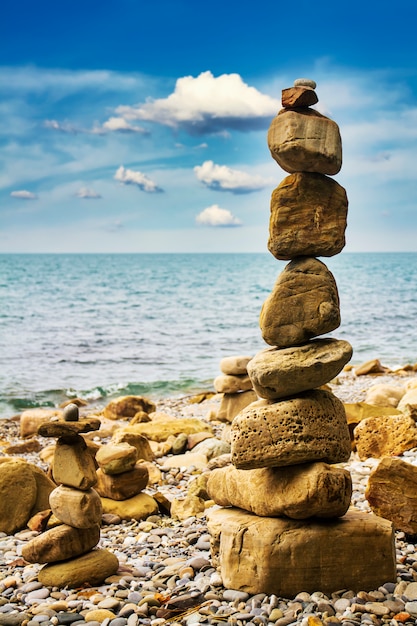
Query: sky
{"points": [[136, 126]]}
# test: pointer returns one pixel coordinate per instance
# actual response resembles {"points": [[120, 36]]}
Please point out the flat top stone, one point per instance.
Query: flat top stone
{"points": [[305, 82], [61, 428]]}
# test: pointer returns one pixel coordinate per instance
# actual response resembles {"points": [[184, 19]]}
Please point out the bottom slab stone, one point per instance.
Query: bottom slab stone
{"points": [[90, 569], [284, 557]]}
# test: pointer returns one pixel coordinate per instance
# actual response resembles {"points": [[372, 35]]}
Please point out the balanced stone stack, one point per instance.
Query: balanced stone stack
{"points": [[288, 529], [67, 548], [235, 385]]}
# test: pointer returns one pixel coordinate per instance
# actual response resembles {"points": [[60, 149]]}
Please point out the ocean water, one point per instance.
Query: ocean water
{"points": [[97, 325]]}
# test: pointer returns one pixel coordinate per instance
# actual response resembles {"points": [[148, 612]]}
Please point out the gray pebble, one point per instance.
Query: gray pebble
{"points": [[305, 82], [231, 595]]}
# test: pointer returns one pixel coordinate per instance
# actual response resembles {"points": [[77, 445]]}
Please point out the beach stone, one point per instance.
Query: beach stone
{"points": [[305, 141], [161, 429], [212, 448], [307, 428], [44, 487], [234, 365], [141, 443], [91, 568], [298, 96], [384, 395], [71, 413], [358, 411], [370, 367], [313, 206], [186, 460], [18, 490], [122, 486], [305, 82], [125, 407], [73, 466], [284, 557], [60, 543], [138, 507], [392, 493], [385, 435], [31, 419], [304, 303], [190, 506], [298, 491], [74, 507], [231, 384], [27, 446], [408, 401], [116, 458], [60, 428], [193, 440], [232, 403], [279, 372]]}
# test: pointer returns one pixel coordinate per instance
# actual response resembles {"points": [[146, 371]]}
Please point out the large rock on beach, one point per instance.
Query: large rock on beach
{"points": [[408, 401], [116, 458], [309, 427], [60, 543], [308, 217], [298, 491], [74, 507], [89, 569], [392, 493], [305, 141], [73, 466], [31, 419], [122, 486], [125, 407], [284, 557], [303, 304], [234, 365], [276, 373], [138, 507], [231, 384], [18, 490], [161, 428], [383, 394], [233, 403], [141, 443], [385, 435]]}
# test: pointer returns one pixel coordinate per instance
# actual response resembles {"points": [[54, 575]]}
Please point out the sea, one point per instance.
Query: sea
{"points": [[96, 326]]}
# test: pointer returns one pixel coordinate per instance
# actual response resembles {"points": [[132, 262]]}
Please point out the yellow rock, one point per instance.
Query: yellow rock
{"points": [[139, 507], [91, 568], [160, 429]]}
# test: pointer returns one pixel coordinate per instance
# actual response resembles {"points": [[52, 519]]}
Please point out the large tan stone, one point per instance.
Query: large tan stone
{"points": [[385, 435], [298, 491], [31, 419], [126, 407], [285, 557], [384, 395], [17, 494], [392, 493], [305, 141], [408, 401], [62, 428], [74, 507], [309, 427], [44, 487], [304, 303], [89, 569], [189, 506], [234, 365], [233, 403], [122, 486], [161, 429], [231, 384], [308, 217], [276, 373], [116, 458], [125, 435], [138, 507], [73, 465], [60, 543]]}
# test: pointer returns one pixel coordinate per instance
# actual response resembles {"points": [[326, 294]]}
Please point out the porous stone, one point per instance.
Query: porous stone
{"points": [[141, 443], [303, 304], [122, 486], [73, 466], [116, 458], [74, 507], [161, 429], [231, 384], [276, 373], [60, 543], [234, 365], [138, 507], [308, 217], [125, 407], [298, 96], [309, 427], [305, 141], [232, 403], [392, 493], [385, 435], [91, 568], [284, 557], [299, 491], [17, 494]]}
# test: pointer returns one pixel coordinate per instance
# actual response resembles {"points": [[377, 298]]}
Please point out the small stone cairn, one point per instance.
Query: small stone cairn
{"points": [[68, 548], [288, 528]]}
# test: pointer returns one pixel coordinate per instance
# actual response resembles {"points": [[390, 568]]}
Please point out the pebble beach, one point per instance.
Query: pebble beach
{"points": [[166, 573]]}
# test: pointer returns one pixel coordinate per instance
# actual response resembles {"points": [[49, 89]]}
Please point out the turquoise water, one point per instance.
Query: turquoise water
{"points": [[158, 324]]}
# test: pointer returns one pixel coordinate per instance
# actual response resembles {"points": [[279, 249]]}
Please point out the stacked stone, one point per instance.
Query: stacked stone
{"points": [[119, 475], [67, 548], [235, 385], [286, 445]]}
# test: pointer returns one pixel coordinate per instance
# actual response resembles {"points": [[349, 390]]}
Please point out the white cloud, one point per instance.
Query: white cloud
{"points": [[215, 216], [87, 194], [119, 124], [208, 104], [24, 195], [132, 177], [223, 178], [62, 127]]}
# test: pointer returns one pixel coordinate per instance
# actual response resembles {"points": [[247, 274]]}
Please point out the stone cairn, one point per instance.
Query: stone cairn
{"points": [[235, 386], [67, 548], [288, 528]]}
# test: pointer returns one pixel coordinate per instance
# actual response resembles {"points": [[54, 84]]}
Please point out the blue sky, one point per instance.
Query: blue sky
{"points": [[141, 126]]}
